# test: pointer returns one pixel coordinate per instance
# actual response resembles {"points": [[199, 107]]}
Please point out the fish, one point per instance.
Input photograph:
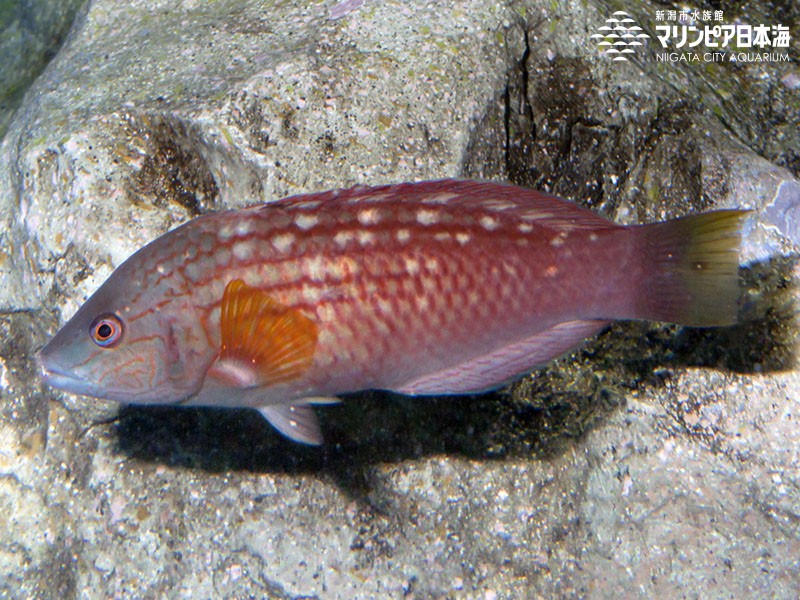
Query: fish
{"points": [[443, 287]]}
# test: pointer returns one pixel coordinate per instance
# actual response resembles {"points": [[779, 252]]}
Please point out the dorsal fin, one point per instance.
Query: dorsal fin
{"points": [[529, 205], [526, 204]]}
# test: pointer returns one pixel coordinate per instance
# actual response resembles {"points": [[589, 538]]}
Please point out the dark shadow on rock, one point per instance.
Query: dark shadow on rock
{"points": [[366, 429], [765, 338], [539, 416]]}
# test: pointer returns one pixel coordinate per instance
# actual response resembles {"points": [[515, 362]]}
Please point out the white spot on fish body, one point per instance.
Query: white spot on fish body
{"points": [[306, 222], [462, 237], [385, 305], [412, 265], [292, 271], [429, 283], [207, 243], [312, 293], [326, 313], [283, 241], [315, 268], [226, 232], [161, 269], [193, 272], [243, 228], [365, 237], [525, 227], [371, 287], [443, 236], [223, 257], [242, 250], [368, 216], [403, 235], [559, 240], [254, 277], [489, 223], [336, 271], [427, 217], [342, 268], [432, 264], [342, 238], [593, 237]]}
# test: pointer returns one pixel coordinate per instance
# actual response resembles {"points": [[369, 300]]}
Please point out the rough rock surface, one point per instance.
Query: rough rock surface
{"points": [[31, 32], [657, 460]]}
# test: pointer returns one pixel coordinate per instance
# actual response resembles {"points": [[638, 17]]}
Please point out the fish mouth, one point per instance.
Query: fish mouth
{"points": [[58, 378]]}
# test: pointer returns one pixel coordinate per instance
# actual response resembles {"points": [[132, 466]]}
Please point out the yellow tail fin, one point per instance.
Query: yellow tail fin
{"points": [[693, 264]]}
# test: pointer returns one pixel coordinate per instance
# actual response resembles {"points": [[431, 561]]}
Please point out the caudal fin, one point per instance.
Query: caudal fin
{"points": [[693, 269]]}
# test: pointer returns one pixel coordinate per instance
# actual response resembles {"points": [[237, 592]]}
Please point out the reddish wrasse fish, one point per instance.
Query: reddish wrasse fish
{"points": [[439, 287]]}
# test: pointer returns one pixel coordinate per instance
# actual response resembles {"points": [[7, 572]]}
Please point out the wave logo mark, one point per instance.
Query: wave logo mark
{"points": [[620, 36]]}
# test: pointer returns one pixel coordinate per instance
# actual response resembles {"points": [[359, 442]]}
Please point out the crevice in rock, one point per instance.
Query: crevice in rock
{"points": [[174, 170]]}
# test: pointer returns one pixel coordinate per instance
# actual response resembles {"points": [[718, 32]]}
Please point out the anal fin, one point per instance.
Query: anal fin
{"points": [[493, 370]]}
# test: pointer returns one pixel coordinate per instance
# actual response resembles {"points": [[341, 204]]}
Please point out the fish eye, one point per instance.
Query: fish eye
{"points": [[106, 330]]}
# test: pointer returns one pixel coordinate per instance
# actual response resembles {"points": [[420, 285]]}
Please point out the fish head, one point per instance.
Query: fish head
{"points": [[127, 345]]}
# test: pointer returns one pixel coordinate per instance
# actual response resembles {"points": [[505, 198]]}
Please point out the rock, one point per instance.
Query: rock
{"points": [[30, 34], [656, 458]]}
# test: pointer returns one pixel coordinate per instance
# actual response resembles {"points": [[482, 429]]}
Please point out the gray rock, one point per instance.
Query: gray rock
{"points": [[658, 460], [31, 32]]}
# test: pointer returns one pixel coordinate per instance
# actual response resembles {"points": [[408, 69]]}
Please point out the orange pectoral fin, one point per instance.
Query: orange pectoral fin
{"points": [[263, 341]]}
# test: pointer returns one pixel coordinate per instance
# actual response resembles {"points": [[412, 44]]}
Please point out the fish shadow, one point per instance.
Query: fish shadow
{"points": [[366, 428], [539, 416]]}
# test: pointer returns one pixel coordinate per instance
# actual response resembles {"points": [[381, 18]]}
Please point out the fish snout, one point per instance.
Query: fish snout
{"points": [[57, 375]]}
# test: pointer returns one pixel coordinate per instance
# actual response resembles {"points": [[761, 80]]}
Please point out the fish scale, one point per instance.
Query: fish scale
{"points": [[448, 286], [379, 262]]}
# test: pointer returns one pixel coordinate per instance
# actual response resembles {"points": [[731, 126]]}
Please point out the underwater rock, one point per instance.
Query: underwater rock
{"points": [[783, 211], [31, 33], [658, 458]]}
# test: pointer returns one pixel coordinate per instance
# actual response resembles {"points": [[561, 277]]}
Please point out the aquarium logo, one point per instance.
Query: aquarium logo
{"points": [[620, 36], [701, 36], [690, 35]]}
